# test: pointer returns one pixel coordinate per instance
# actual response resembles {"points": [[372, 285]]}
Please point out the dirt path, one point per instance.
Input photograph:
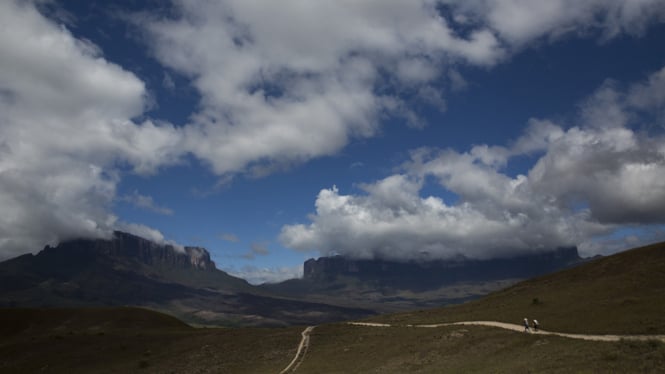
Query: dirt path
{"points": [[300, 353], [520, 328], [304, 342]]}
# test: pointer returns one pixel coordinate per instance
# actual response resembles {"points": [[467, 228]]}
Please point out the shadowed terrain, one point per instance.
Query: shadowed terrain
{"points": [[129, 270], [127, 340], [620, 295]]}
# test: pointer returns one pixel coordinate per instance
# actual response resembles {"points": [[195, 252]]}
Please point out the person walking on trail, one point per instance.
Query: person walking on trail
{"points": [[526, 325], [535, 325]]}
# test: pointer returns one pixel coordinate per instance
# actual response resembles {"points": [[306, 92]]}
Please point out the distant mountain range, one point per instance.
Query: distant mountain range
{"points": [[386, 285], [424, 275], [129, 270]]}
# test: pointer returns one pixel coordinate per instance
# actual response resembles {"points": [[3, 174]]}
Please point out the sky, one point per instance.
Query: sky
{"points": [[270, 132]]}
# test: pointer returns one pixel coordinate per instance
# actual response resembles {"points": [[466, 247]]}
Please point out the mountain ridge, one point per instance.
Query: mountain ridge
{"points": [[129, 270], [420, 274], [390, 286]]}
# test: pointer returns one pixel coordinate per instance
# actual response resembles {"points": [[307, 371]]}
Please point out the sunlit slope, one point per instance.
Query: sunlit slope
{"points": [[623, 293]]}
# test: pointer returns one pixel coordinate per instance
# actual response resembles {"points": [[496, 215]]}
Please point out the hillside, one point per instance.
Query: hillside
{"points": [[620, 294], [623, 293], [40, 320], [391, 286], [130, 340]]}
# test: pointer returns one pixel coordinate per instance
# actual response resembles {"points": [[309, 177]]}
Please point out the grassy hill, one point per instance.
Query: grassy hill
{"points": [[38, 320], [470, 349], [129, 340], [619, 294]]}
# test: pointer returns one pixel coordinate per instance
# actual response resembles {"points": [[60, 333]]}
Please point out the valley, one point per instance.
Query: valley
{"points": [[625, 336]]}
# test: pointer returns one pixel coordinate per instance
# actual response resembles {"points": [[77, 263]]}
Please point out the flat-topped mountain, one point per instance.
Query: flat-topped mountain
{"points": [[147, 252], [129, 270], [423, 275], [72, 264], [619, 294], [389, 285]]}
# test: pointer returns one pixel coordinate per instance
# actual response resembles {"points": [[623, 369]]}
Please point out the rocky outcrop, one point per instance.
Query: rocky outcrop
{"points": [[124, 245], [129, 270]]}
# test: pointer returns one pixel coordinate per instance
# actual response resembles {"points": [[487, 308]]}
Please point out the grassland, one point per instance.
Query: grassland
{"points": [[470, 349], [127, 340], [621, 294]]}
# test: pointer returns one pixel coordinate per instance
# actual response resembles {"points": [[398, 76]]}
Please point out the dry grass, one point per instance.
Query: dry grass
{"points": [[620, 294], [126, 340], [472, 349]]}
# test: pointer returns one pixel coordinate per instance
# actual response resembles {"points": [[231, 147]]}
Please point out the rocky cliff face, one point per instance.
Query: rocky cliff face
{"points": [[124, 245], [429, 274], [129, 270]]}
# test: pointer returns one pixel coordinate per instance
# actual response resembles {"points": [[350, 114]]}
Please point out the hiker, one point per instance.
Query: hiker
{"points": [[526, 325], [535, 325]]}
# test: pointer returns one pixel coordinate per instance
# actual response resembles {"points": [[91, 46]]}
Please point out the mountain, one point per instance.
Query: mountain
{"points": [[423, 275], [129, 270], [619, 294], [393, 285]]}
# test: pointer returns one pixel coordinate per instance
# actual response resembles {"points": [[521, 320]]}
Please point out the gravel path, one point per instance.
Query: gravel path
{"points": [[300, 353], [520, 328], [304, 342]]}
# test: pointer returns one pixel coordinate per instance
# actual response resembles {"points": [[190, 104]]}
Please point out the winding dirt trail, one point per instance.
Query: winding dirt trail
{"points": [[304, 342], [520, 328], [300, 353]]}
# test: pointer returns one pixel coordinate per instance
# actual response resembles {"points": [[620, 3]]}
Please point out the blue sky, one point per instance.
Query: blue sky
{"points": [[272, 132]]}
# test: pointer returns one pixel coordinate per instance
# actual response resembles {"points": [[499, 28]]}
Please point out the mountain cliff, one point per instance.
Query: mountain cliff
{"points": [[422, 275], [129, 270], [128, 246], [387, 286]]}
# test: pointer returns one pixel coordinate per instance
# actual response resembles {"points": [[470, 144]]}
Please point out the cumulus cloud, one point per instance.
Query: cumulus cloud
{"points": [[284, 82], [280, 83], [590, 179], [65, 126], [518, 22]]}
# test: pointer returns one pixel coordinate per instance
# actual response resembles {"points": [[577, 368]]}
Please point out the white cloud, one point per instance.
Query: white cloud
{"points": [[280, 83], [588, 181], [518, 22], [256, 249], [649, 97], [65, 124], [230, 237], [149, 233], [145, 202], [285, 82]]}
